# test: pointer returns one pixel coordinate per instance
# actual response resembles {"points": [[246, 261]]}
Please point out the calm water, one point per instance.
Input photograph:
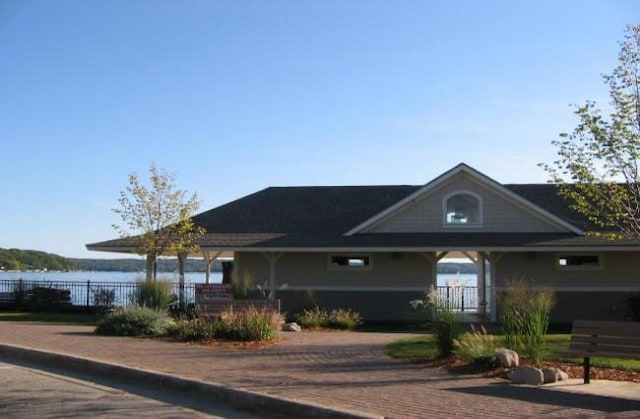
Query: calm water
{"points": [[98, 276], [190, 277]]}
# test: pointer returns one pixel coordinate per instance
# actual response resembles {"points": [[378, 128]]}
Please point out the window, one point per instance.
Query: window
{"points": [[349, 262], [579, 261], [463, 209]]}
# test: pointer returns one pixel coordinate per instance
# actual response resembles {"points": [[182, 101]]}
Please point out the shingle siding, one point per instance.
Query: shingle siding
{"points": [[499, 213]]}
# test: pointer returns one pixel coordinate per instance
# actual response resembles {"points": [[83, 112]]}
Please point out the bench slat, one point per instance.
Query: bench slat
{"points": [[587, 327], [606, 340], [594, 349], [581, 353]]}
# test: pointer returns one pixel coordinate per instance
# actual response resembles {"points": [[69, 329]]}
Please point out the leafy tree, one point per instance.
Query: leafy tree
{"points": [[160, 217], [598, 162]]}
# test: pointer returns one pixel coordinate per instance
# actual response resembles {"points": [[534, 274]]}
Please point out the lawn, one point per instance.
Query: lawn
{"points": [[43, 317], [557, 346]]}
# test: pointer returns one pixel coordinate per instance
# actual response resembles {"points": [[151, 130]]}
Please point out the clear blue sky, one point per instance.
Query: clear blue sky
{"points": [[235, 96]]}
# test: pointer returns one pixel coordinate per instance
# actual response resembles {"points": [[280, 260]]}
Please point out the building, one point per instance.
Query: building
{"points": [[376, 248]]}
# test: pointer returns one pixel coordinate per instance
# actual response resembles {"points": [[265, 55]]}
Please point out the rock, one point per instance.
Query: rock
{"points": [[507, 357], [526, 375], [291, 327], [552, 375]]}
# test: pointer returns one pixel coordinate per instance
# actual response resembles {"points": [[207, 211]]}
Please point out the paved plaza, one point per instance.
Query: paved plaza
{"points": [[343, 370]]}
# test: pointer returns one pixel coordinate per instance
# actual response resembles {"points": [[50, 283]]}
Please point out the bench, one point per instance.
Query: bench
{"points": [[604, 339]]}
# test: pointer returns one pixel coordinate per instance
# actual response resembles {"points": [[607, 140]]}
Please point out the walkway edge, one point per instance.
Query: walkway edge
{"points": [[274, 406]]}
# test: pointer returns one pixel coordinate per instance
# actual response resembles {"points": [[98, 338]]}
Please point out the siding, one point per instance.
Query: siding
{"points": [[309, 270], [619, 269], [427, 213]]}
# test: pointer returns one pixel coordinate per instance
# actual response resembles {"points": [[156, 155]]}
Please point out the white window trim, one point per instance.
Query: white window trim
{"points": [[333, 267], [480, 222], [597, 267]]}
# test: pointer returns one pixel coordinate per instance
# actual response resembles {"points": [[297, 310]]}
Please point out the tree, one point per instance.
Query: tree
{"points": [[597, 169], [160, 218]]}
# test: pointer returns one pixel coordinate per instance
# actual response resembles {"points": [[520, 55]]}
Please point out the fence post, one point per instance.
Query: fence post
{"points": [[88, 289], [462, 298]]}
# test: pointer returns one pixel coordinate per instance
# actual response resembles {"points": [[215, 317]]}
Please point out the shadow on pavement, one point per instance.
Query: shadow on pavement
{"points": [[555, 398]]}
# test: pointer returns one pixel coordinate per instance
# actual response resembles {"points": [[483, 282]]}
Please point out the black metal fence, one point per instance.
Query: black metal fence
{"points": [[123, 294], [82, 294], [462, 298]]}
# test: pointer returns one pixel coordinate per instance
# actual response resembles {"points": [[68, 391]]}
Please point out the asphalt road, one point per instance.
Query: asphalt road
{"points": [[28, 392]]}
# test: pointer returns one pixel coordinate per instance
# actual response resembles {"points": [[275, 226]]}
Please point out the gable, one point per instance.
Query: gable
{"points": [[500, 211]]}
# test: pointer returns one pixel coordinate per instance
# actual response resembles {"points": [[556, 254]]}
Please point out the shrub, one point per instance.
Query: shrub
{"points": [[313, 318], [195, 329], [46, 299], [184, 312], [104, 298], [154, 294], [525, 318], [345, 319], [134, 321], [251, 324], [241, 286], [444, 320], [476, 346]]}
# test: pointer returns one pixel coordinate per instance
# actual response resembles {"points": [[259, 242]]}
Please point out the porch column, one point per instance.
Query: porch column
{"points": [[493, 304], [481, 265], [272, 258]]}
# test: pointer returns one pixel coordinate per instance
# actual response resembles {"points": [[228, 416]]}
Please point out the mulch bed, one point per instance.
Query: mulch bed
{"points": [[459, 366]]}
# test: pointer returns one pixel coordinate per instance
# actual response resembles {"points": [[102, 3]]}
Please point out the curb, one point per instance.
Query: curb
{"points": [[270, 405]]}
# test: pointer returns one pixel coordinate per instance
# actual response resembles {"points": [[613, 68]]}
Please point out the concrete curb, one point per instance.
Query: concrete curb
{"points": [[273, 406]]}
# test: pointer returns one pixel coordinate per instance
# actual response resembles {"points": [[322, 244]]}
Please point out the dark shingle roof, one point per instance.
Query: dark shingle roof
{"points": [[317, 217]]}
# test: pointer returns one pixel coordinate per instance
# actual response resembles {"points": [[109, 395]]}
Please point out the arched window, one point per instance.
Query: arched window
{"points": [[462, 208]]}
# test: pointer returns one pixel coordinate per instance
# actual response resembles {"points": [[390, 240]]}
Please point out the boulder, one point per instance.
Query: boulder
{"points": [[526, 375], [291, 327], [507, 357], [552, 375]]}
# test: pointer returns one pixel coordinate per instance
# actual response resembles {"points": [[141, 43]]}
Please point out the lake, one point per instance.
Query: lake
{"points": [[190, 277]]}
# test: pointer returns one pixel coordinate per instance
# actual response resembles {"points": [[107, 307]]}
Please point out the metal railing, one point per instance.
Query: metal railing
{"points": [[456, 297], [85, 293]]}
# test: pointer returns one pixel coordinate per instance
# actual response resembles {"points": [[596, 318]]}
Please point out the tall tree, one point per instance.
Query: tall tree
{"points": [[159, 216], [598, 162]]}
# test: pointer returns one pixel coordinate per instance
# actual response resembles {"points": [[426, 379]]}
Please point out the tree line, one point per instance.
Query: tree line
{"points": [[20, 260]]}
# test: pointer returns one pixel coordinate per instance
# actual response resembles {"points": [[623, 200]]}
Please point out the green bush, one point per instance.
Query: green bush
{"points": [[154, 294], [525, 318], [313, 318], [251, 324], [134, 321], [443, 319], [48, 299], [476, 346], [345, 319], [197, 329]]}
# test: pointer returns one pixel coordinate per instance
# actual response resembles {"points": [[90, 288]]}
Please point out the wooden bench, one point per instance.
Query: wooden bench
{"points": [[604, 339]]}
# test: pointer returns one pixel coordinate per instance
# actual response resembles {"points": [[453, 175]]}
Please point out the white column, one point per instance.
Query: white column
{"points": [[272, 258]]}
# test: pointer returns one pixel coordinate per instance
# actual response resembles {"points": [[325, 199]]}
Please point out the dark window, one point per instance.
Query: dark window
{"points": [[579, 260], [350, 261]]}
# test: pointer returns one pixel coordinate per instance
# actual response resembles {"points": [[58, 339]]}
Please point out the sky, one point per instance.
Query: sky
{"points": [[236, 96]]}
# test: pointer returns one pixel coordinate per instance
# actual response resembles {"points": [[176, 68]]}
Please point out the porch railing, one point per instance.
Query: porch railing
{"points": [[459, 298]]}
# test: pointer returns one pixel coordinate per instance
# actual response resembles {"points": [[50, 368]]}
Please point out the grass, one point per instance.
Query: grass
{"points": [[43, 317], [556, 350]]}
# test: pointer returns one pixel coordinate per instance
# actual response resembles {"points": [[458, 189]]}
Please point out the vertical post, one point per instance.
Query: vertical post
{"points": [[462, 298], [586, 367], [88, 291], [181, 261], [482, 284]]}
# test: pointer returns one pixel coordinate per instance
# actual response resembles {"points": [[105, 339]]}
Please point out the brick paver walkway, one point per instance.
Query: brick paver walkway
{"points": [[347, 370]]}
